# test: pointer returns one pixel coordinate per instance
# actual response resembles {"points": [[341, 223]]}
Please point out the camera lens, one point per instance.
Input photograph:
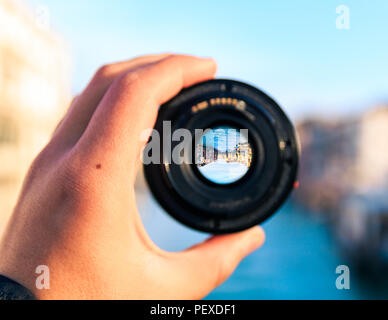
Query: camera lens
{"points": [[226, 156]]}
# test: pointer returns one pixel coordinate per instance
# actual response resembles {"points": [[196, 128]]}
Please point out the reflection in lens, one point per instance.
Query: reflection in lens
{"points": [[223, 154]]}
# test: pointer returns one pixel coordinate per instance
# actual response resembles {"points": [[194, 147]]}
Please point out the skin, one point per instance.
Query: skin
{"points": [[77, 214]]}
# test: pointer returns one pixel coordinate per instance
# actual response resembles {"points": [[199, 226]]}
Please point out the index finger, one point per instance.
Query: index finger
{"points": [[131, 105]]}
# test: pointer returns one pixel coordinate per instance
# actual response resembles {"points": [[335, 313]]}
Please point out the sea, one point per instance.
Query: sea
{"points": [[298, 260]]}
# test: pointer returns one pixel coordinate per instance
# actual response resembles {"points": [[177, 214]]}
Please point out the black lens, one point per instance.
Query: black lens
{"points": [[239, 165]]}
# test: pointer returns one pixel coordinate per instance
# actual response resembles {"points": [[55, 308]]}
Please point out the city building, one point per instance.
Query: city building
{"points": [[341, 157], [372, 158], [34, 92]]}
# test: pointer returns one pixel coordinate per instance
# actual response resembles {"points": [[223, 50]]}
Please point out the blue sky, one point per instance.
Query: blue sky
{"points": [[290, 49]]}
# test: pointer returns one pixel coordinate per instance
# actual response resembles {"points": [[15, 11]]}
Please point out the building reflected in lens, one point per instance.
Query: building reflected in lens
{"points": [[223, 155]]}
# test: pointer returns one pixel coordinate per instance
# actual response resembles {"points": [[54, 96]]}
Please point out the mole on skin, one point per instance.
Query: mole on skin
{"points": [[98, 166]]}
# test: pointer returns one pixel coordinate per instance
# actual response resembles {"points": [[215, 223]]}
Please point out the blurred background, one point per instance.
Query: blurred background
{"points": [[325, 62]]}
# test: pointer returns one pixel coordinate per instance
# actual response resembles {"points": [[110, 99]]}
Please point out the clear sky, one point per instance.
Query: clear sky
{"points": [[290, 49]]}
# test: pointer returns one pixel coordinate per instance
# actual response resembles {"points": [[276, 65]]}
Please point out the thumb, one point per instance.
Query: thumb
{"points": [[206, 265]]}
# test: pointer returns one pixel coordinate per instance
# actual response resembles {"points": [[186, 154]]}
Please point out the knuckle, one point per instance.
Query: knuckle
{"points": [[103, 72], [36, 169], [170, 60], [43, 163], [132, 81]]}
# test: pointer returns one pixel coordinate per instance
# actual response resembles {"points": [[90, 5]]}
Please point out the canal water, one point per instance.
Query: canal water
{"points": [[298, 260]]}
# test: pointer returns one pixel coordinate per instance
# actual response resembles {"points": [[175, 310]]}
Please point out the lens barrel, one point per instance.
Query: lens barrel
{"points": [[191, 198]]}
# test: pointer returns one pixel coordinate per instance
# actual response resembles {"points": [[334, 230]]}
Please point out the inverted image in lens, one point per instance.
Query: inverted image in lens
{"points": [[223, 154]]}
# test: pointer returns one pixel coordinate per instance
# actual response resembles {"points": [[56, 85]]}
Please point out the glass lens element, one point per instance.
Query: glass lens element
{"points": [[223, 155]]}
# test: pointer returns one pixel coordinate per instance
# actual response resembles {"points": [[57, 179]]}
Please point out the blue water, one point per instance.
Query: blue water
{"points": [[298, 260], [220, 171]]}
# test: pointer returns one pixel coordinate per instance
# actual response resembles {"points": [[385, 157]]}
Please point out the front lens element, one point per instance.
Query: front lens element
{"points": [[223, 155]]}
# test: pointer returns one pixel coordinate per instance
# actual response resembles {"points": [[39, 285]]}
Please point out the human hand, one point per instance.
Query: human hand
{"points": [[77, 213]]}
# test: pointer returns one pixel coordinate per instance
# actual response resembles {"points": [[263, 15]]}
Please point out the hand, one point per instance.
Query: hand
{"points": [[77, 213]]}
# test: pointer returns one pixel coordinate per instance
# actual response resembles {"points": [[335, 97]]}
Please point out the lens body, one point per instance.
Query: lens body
{"points": [[240, 163]]}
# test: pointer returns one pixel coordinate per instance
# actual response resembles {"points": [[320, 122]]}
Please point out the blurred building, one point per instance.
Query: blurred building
{"points": [[34, 90], [341, 157], [372, 160]]}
